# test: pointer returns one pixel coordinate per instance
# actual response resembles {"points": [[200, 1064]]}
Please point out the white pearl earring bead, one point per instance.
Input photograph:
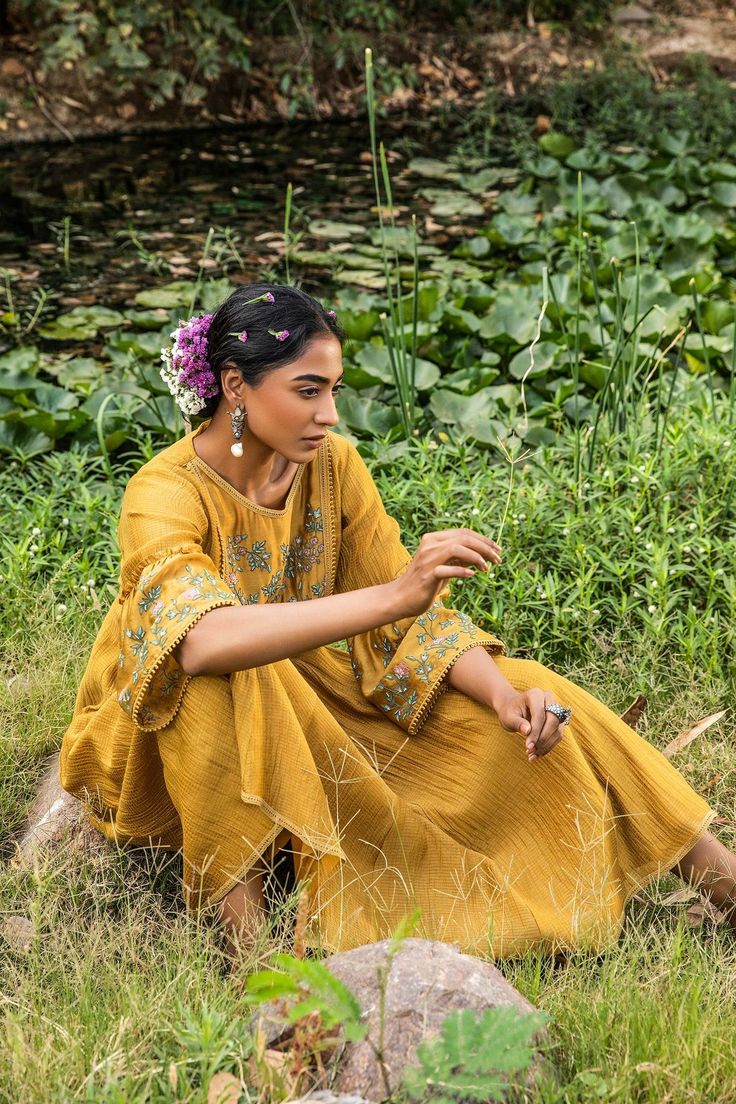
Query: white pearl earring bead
{"points": [[237, 448]]}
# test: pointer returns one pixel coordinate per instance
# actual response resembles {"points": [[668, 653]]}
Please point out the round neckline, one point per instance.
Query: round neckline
{"points": [[227, 486]]}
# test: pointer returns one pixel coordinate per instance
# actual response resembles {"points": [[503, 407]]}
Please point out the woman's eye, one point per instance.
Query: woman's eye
{"points": [[309, 393]]}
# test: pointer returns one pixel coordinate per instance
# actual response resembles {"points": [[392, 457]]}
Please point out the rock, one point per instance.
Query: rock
{"points": [[54, 816], [632, 13], [12, 68], [427, 981], [18, 932]]}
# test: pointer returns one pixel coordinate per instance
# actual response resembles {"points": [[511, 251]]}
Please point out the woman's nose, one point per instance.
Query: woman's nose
{"points": [[328, 414]]}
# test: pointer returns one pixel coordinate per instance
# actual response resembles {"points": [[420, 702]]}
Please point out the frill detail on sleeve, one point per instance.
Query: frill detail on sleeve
{"points": [[169, 596]]}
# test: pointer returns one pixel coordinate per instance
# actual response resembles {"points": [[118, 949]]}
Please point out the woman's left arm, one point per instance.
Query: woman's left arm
{"points": [[477, 674]]}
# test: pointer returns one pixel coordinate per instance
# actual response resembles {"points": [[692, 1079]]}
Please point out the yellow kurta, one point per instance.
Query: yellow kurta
{"points": [[397, 795]]}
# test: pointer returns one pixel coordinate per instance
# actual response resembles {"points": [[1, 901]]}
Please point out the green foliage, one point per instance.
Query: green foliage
{"points": [[168, 50], [618, 103], [474, 1058], [307, 986]]}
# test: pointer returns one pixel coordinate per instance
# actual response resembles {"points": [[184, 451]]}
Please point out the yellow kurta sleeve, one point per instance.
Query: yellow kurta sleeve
{"points": [[400, 667], [168, 581]]}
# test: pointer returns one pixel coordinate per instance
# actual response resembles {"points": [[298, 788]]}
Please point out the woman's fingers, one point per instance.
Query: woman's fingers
{"points": [[550, 734]]}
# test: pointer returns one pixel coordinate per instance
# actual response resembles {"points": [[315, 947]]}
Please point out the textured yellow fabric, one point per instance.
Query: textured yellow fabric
{"points": [[397, 795]]}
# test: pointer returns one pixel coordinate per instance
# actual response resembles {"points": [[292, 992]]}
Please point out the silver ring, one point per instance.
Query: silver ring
{"points": [[563, 713]]}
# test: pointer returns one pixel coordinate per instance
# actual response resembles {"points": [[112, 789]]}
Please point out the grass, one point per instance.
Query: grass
{"points": [[121, 996]]}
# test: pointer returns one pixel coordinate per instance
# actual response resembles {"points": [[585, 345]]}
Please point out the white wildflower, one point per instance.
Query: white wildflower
{"points": [[35, 532], [34, 548], [652, 609], [637, 528], [61, 608], [65, 521]]}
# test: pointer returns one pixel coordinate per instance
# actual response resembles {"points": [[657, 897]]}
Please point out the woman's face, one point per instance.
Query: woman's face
{"points": [[297, 402]]}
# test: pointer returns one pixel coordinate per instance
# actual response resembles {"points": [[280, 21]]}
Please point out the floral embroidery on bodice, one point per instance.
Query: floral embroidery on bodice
{"points": [[258, 572]]}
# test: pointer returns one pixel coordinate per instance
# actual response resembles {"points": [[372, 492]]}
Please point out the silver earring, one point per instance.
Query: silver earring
{"points": [[237, 419]]}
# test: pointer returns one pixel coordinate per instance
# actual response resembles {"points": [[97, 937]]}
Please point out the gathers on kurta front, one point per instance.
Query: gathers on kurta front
{"points": [[397, 795]]}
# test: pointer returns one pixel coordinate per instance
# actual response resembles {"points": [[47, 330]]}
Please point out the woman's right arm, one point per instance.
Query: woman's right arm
{"points": [[233, 638]]}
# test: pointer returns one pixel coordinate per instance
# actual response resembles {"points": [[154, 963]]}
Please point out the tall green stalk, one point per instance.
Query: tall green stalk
{"points": [[287, 236], [706, 353], [402, 356], [576, 361]]}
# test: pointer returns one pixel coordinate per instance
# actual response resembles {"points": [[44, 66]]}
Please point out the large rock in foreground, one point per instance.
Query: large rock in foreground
{"points": [[426, 982]]}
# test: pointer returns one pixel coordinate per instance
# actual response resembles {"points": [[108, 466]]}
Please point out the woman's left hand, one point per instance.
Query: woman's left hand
{"points": [[525, 713]]}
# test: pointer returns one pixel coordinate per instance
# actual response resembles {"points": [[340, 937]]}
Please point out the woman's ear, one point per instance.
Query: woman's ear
{"points": [[233, 384]]}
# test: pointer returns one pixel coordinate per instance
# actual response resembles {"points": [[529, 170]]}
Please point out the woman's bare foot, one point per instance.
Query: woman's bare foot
{"points": [[711, 868]]}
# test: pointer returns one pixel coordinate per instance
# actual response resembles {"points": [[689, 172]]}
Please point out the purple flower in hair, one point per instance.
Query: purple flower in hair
{"points": [[243, 336], [186, 369], [269, 297], [280, 335], [332, 314]]}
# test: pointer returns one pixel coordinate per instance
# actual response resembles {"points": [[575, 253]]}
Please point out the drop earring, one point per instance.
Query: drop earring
{"points": [[237, 419]]}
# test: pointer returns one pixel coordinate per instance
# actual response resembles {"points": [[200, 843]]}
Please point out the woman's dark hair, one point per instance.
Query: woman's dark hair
{"points": [[291, 310]]}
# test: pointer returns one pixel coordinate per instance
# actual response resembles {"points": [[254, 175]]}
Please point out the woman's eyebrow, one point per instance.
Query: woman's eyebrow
{"points": [[316, 379]]}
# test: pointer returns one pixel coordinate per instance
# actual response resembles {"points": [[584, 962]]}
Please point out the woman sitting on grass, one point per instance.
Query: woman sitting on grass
{"points": [[422, 769]]}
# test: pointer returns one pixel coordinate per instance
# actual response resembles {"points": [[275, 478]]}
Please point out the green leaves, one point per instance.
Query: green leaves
{"points": [[306, 986], [475, 1058]]}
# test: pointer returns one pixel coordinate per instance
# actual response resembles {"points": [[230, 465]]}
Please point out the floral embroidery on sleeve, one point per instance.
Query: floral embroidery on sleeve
{"points": [[169, 597], [414, 664]]}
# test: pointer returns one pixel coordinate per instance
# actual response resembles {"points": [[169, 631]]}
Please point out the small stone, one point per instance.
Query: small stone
{"points": [[632, 13], [12, 68], [18, 932]]}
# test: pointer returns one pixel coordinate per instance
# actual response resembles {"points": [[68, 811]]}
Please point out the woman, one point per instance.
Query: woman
{"points": [[214, 718]]}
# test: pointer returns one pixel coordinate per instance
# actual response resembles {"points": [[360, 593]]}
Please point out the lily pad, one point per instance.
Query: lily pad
{"points": [[335, 231], [375, 363], [80, 374], [24, 359], [433, 169], [449, 204], [81, 324], [22, 442], [545, 353], [366, 415], [178, 293], [513, 315]]}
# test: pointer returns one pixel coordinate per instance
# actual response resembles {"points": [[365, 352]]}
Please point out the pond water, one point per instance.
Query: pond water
{"points": [[98, 221]]}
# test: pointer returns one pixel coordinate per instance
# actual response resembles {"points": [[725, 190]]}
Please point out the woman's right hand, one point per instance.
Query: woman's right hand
{"points": [[443, 555]]}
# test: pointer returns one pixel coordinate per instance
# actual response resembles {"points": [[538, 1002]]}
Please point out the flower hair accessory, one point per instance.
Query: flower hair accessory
{"points": [[280, 335], [186, 370]]}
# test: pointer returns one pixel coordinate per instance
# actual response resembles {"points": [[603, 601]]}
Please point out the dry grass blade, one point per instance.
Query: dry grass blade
{"points": [[686, 738], [635, 712], [680, 896]]}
